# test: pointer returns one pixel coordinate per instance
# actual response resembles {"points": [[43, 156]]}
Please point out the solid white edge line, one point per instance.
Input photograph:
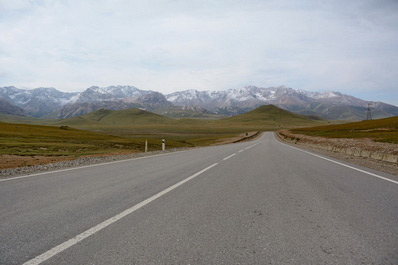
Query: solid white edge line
{"points": [[228, 157], [240, 151], [88, 166], [342, 164], [67, 244]]}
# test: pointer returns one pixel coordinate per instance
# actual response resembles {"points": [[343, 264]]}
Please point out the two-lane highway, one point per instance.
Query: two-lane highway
{"points": [[259, 202]]}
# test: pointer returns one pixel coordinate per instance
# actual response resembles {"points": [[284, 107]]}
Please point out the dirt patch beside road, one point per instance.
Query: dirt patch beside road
{"points": [[13, 161], [364, 151]]}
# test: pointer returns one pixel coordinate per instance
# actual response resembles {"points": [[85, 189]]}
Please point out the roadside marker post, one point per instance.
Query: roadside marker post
{"points": [[146, 146], [163, 145]]}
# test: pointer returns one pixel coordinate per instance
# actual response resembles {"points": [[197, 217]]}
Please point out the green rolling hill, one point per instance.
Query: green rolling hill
{"points": [[272, 115], [107, 131], [104, 117], [381, 130], [137, 121]]}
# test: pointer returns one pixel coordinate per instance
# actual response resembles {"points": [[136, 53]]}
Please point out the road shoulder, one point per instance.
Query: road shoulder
{"points": [[383, 166]]}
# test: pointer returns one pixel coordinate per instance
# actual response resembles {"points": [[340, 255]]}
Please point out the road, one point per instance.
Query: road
{"points": [[258, 202]]}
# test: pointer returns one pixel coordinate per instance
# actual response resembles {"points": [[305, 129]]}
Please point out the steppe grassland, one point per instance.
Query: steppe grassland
{"points": [[114, 132], [382, 130]]}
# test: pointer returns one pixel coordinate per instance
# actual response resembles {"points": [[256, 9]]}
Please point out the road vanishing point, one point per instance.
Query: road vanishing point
{"points": [[258, 202]]}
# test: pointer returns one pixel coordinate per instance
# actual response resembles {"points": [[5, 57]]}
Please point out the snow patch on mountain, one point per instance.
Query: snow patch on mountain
{"points": [[111, 93], [328, 104], [320, 95]]}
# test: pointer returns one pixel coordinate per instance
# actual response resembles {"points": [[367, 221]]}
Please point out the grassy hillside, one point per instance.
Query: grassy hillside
{"points": [[105, 131], [138, 122], [382, 130], [28, 140], [270, 117], [116, 117], [23, 119], [270, 114], [129, 122], [180, 113], [190, 131]]}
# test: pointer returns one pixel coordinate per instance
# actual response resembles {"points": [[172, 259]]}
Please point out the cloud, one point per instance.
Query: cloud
{"points": [[207, 45]]}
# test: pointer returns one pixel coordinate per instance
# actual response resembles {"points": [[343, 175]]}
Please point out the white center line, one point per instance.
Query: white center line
{"points": [[228, 157], [240, 151], [67, 244], [342, 164]]}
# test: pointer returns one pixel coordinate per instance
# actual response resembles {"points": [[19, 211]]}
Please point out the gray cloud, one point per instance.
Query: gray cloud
{"points": [[347, 46]]}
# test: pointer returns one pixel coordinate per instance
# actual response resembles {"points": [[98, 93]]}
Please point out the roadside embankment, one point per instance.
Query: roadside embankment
{"points": [[239, 138], [248, 137], [356, 148]]}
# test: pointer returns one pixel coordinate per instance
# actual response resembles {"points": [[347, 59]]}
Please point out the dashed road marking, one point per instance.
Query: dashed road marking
{"points": [[228, 157], [73, 241]]}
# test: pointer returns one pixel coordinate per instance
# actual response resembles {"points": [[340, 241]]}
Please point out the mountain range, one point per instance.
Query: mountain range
{"points": [[37, 102], [327, 104], [52, 103]]}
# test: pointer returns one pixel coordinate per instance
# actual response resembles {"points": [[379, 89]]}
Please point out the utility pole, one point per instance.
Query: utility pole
{"points": [[369, 113]]}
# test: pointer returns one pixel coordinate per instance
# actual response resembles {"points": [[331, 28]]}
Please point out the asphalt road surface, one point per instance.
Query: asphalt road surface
{"points": [[258, 202]]}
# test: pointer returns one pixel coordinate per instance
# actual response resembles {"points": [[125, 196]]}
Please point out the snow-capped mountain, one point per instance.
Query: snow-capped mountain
{"points": [[8, 108], [79, 109], [36, 102], [52, 103], [334, 97], [147, 101], [111, 93], [41, 102], [247, 97], [327, 104]]}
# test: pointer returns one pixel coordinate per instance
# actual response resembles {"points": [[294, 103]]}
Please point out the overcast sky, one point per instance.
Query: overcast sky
{"points": [[350, 46]]}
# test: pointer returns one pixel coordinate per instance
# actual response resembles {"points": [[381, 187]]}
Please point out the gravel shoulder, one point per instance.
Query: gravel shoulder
{"points": [[82, 161], [345, 149]]}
